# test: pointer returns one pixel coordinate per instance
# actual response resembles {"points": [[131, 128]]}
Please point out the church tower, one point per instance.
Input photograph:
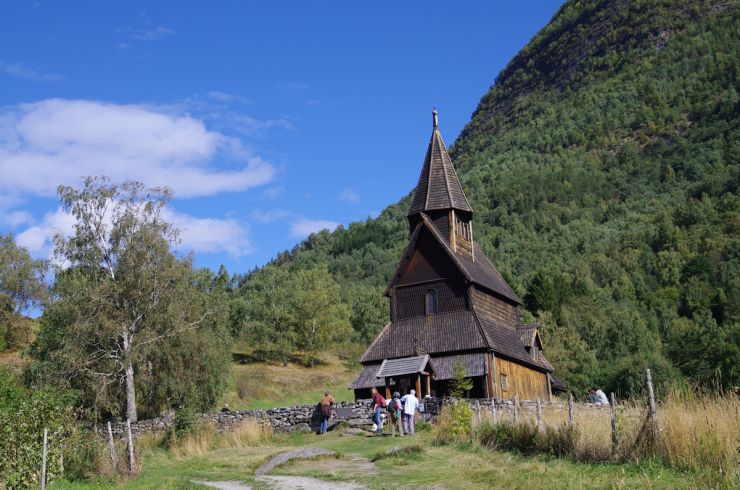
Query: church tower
{"points": [[439, 195]]}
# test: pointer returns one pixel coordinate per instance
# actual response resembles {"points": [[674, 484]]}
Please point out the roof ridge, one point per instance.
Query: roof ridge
{"points": [[441, 145]]}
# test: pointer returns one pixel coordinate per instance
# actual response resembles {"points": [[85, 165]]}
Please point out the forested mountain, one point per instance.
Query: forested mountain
{"points": [[603, 170]]}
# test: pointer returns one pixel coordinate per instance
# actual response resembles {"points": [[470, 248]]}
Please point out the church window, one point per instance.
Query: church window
{"points": [[504, 382], [431, 299]]}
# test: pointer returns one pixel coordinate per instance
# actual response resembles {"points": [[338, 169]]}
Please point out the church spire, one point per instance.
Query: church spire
{"points": [[438, 187]]}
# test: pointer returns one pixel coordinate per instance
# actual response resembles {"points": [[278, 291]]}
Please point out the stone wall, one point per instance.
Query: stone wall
{"points": [[283, 419], [308, 417]]}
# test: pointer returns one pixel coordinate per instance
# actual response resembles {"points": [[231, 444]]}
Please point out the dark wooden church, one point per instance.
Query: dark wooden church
{"points": [[449, 305]]}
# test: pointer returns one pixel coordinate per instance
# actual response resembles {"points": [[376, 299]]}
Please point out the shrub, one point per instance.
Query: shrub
{"points": [[23, 417], [454, 423]]}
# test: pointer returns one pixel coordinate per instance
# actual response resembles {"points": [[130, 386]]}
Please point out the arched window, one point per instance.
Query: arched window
{"points": [[431, 298]]}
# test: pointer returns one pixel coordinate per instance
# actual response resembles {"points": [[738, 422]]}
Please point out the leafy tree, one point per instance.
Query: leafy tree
{"points": [[296, 313], [460, 384], [322, 320], [122, 310], [369, 312], [21, 276], [270, 312], [22, 286]]}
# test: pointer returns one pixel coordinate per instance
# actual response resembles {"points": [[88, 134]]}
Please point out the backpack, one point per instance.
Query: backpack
{"points": [[396, 404]]}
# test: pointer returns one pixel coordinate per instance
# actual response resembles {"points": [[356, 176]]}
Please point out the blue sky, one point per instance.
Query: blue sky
{"points": [[269, 120]]}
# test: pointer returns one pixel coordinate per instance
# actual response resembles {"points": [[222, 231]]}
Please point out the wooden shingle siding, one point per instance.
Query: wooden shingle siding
{"points": [[411, 300], [464, 247], [524, 383], [494, 308]]}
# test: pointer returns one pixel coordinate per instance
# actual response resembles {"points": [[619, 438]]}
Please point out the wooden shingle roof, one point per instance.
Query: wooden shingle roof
{"points": [[444, 366], [367, 378], [404, 365], [438, 186], [447, 332], [527, 333], [506, 341]]}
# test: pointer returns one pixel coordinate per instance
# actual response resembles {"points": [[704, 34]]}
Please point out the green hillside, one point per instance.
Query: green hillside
{"points": [[603, 169]]}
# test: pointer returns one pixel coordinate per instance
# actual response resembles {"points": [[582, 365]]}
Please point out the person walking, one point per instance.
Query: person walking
{"points": [[410, 404], [378, 404], [395, 410], [326, 402]]}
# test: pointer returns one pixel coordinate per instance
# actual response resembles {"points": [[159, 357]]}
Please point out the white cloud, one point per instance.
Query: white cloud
{"points": [[349, 195], [37, 239], [200, 235], [273, 193], [151, 34], [304, 227], [210, 235], [227, 97], [19, 70], [57, 141], [16, 218], [271, 216]]}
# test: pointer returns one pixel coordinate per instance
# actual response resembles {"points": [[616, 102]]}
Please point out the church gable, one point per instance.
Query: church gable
{"points": [[427, 261]]}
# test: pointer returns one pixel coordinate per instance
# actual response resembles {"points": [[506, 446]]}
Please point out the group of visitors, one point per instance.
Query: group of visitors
{"points": [[401, 412]]}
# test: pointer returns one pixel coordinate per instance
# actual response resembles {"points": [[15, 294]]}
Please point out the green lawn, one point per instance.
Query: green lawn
{"points": [[435, 466]]}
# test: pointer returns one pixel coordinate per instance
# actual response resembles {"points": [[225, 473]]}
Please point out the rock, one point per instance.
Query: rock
{"points": [[287, 456], [353, 431]]}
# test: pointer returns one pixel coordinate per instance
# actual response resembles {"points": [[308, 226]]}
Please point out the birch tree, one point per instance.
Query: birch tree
{"points": [[122, 294]]}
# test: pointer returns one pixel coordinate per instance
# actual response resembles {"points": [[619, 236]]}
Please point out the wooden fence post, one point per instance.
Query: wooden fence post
{"points": [[539, 415], [131, 460], [112, 445], [570, 409], [477, 411], [516, 409], [653, 409], [43, 460], [614, 425], [493, 410]]}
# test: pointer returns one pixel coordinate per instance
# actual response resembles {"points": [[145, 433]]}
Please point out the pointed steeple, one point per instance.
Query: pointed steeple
{"points": [[438, 188]]}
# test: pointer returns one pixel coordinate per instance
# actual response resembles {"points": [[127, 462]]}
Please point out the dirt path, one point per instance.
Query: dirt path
{"points": [[224, 485], [279, 482]]}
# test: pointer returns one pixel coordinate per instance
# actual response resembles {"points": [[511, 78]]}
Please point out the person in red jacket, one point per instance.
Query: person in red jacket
{"points": [[378, 404]]}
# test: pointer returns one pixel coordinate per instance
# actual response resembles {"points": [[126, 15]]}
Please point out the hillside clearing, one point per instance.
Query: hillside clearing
{"points": [[255, 385]]}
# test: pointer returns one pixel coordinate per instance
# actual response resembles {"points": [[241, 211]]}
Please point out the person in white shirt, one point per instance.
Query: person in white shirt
{"points": [[597, 396], [410, 404]]}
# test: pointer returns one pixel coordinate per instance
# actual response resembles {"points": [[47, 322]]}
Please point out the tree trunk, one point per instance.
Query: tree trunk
{"points": [[130, 387]]}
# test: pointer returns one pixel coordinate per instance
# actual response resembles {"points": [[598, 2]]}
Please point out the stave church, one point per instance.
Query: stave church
{"points": [[449, 306]]}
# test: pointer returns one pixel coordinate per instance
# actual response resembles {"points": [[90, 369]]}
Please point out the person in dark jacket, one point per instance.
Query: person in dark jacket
{"points": [[326, 402]]}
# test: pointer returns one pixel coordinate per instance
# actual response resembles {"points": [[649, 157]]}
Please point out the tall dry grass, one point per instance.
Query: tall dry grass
{"points": [[206, 438], [698, 433]]}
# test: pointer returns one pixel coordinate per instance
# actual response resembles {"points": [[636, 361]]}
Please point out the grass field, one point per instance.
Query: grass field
{"points": [[427, 466], [270, 384]]}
